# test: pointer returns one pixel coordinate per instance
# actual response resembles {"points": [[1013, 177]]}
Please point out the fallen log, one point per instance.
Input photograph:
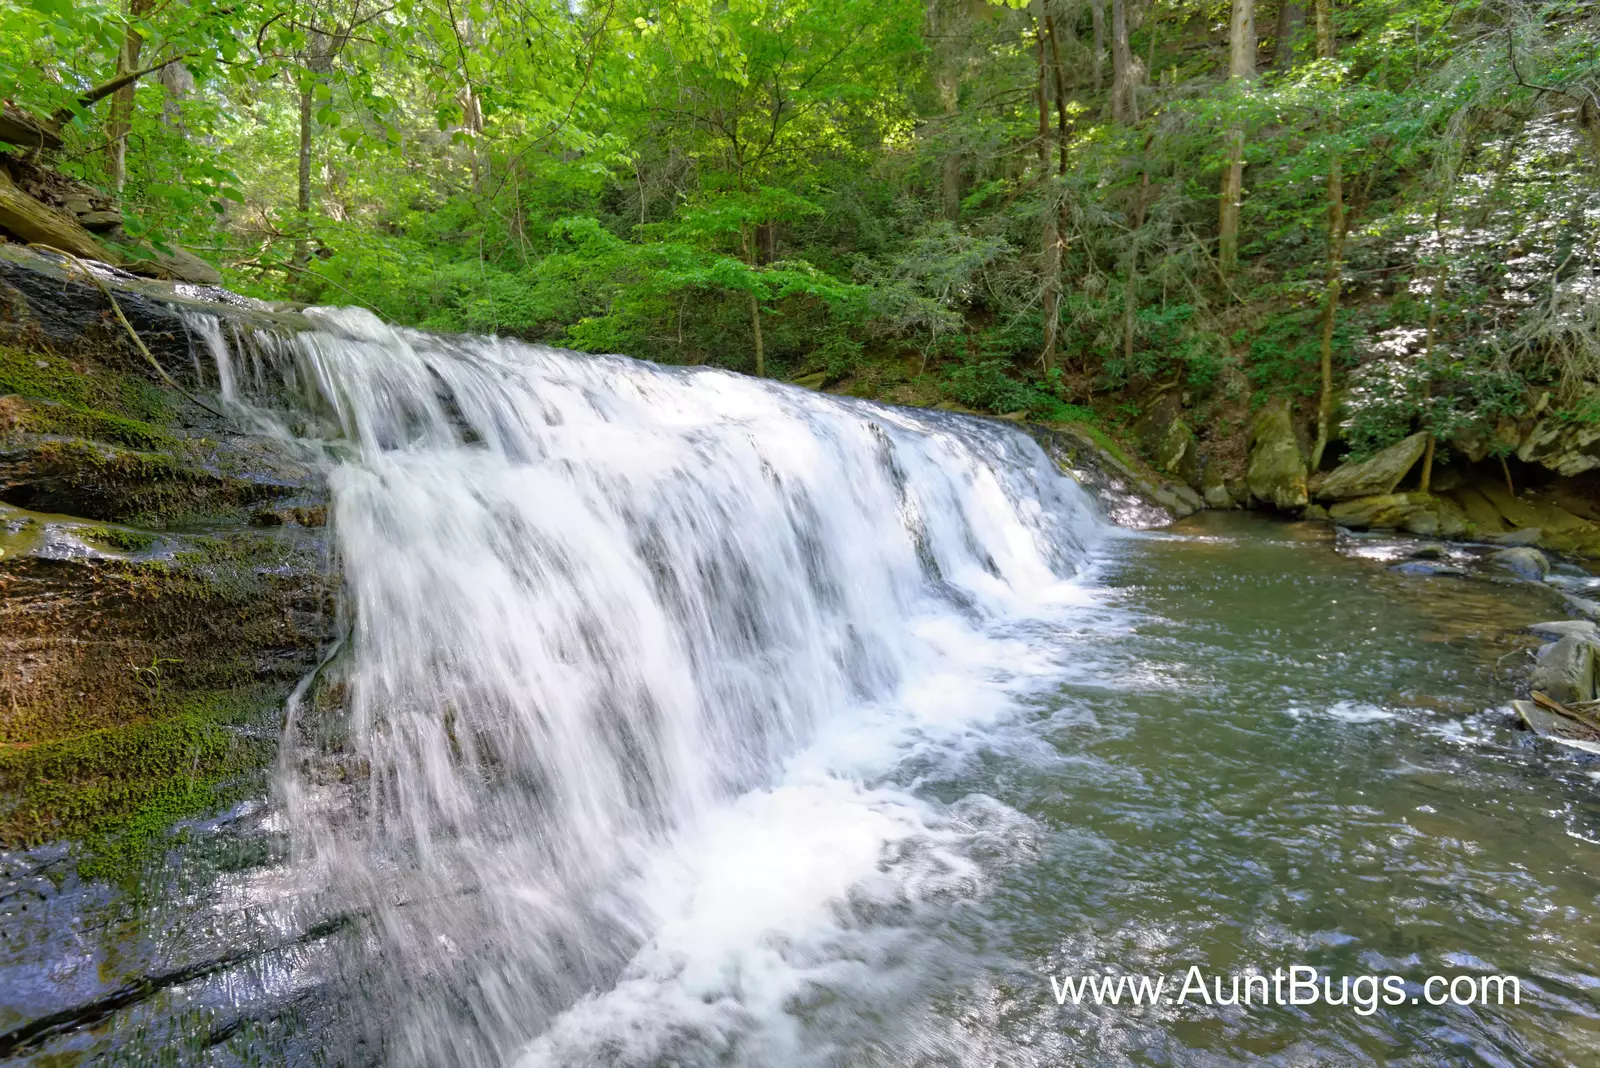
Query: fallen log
{"points": [[35, 223], [19, 128]]}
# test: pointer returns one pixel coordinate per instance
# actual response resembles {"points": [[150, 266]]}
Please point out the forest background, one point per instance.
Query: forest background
{"points": [[1384, 210]]}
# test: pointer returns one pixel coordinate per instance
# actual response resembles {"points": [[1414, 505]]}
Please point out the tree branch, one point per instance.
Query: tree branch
{"points": [[105, 89]]}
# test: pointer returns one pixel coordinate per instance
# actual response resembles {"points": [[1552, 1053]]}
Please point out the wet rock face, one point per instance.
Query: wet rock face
{"points": [[1129, 498], [151, 622], [1277, 471]]}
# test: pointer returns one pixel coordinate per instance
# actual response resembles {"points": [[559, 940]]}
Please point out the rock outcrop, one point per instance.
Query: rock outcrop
{"points": [[151, 621], [1376, 476], [1277, 471]]}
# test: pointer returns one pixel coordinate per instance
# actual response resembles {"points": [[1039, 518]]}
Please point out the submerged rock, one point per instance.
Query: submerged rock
{"points": [[1523, 561], [1428, 568], [1376, 476], [1277, 471], [1565, 671]]}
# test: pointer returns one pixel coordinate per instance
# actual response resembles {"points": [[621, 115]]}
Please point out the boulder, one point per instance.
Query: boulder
{"points": [[1565, 671], [1168, 440], [1277, 470], [1376, 476], [1416, 513], [1583, 606], [1213, 486], [1557, 629], [1477, 442], [1523, 561], [1386, 512], [1480, 511]]}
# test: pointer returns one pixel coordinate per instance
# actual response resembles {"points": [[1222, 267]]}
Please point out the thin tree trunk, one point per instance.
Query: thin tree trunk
{"points": [[950, 166], [1427, 348], [1097, 12], [1124, 66], [748, 239], [1130, 287], [1336, 227], [302, 246], [1241, 68], [1330, 308], [1291, 20], [1050, 239], [755, 332]]}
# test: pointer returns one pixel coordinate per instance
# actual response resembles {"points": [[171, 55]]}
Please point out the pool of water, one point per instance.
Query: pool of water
{"points": [[1276, 753]]}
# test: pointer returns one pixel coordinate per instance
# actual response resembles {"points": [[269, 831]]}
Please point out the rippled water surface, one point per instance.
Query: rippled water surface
{"points": [[1275, 754]]}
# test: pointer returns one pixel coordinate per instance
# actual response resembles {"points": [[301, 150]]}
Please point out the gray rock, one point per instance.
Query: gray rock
{"points": [[1523, 561], [1583, 606], [1430, 550], [1217, 496], [1560, 628], [1277, 471], [1377, 475], [1565, 671]]}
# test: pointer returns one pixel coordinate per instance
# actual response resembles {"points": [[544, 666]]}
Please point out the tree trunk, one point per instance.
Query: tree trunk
{"points": [[949, 84], [302, 244], [1050, 238], [1241, 68], [120, 122], [1336, 226], [1291, 20], [1330, 307], [747, 238], [1130, 287], [1097, 11], [1125, 68]]}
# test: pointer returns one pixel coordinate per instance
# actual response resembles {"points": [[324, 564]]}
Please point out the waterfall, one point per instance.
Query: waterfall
{"points": [[609, 763]]}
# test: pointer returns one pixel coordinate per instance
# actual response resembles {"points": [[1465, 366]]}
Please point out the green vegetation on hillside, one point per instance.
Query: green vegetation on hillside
{"points": [[1386, 208]]}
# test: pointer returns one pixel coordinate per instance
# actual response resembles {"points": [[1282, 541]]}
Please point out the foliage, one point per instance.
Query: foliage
{"points": [[870, 177]]}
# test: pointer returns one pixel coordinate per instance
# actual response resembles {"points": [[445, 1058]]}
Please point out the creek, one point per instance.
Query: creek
{"points": [[683, 718]]}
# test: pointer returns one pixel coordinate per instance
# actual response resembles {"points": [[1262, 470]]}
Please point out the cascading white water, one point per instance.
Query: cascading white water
{"points": [[633, 652]]}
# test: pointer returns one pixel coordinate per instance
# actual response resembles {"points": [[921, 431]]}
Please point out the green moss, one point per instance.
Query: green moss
{"points": [[64, 419], [119, 538], [86, 385], [120, 788]]}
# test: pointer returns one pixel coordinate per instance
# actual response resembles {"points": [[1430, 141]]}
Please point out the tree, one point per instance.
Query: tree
{"points": [[1335, 255], [1241, 68]]}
